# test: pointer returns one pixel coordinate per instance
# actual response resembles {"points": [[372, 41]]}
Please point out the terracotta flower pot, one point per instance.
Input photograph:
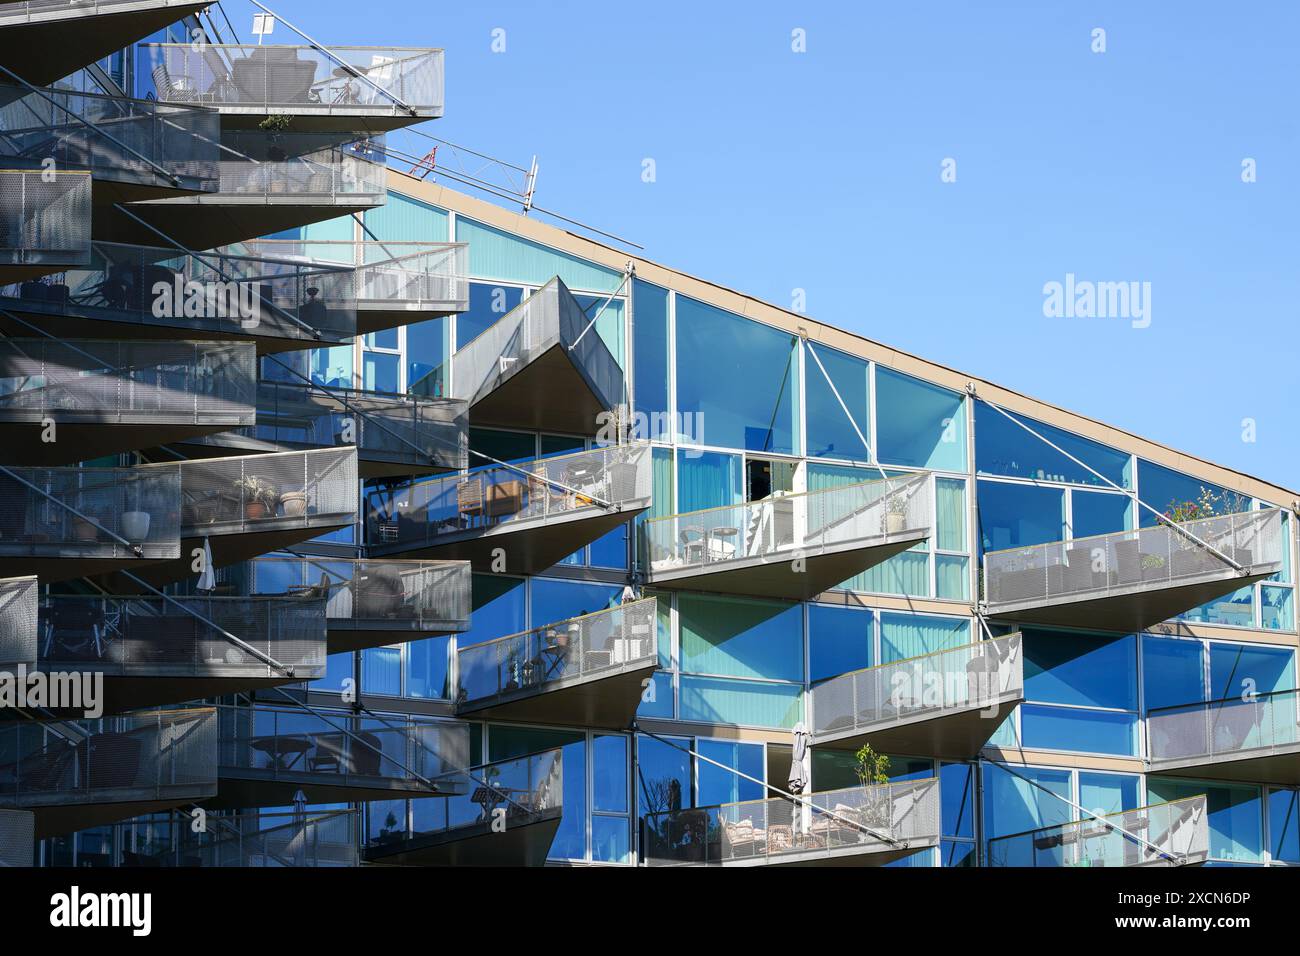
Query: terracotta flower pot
{"points": [[293, 504], [255, 510]]}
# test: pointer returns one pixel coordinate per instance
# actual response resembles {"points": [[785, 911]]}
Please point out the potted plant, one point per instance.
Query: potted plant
{"points": [[1153, 567], [895, 514], [293, 504], [135, 523], [872, 771], [260, 496]]}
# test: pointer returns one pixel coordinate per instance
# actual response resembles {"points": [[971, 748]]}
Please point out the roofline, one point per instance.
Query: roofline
{"points": [[854, 344]]}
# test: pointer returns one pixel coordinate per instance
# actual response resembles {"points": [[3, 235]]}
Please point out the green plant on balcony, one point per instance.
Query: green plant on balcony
{"points": [[872, 768], [275, 123], [261, 497]]}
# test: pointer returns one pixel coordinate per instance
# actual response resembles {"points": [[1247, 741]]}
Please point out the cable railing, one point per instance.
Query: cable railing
{"points": [[1235, 728], [44, 216], [1162, 834], [19, 598], [1109, 564], [116, 139], [298, 80], [866, 819], [206, 292], [146, 755], [183, 636], [114, 382], [587, 482], [800, 524], [252, 839], [90, 512], [973, 676], [17, 838], [586, 647], [280, 491]]}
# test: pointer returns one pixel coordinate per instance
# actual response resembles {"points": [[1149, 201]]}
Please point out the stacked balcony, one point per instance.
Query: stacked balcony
{"points": [[394, 435], [857, 826], [155, 650], [67, 401], [313, 840], [65, 523], [78, 775], [370, 603], [587, 671], [270, 754], [347, 89], [46, 40], [946, 704], [1253, 738], [19, 598], [506, 814], [44, 221], [536, 512], [146, 292], [1160, 835], [792, 546], [541, 367], [17, 838], [1132, 580]]}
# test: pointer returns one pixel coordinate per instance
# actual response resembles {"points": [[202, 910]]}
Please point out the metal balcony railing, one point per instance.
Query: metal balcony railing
{"points": [[578, 649], [19, 598], [1111, 564], [296, 489], [617, 476], [422, 596], [156, 637], [808, 523], [1163, 834], [51, 11], [106, 382], [44, 216], [142, 756], [1257, 725], [209, 292], [44, 512], [115, 138], [326, 839], [17, 838], [832, 823], [339, 749], [970, 677], [400, 429], [298, 80]]}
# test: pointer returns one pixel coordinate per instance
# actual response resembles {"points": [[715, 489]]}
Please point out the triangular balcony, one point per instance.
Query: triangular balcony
{"points": [[46, 221], [19, 601], [1253, 738], [301, 839]]}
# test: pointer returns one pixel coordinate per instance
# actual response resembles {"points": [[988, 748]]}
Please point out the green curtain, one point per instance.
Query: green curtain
{"points": [[950, 514], [909, 635], [745, 703]]}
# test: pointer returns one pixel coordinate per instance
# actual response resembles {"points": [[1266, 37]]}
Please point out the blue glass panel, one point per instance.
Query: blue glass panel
{"points": [[381, 372], [1013, 805], [610, 840], [609, 777], [426, 668], [1084, 731], [717, 785], [740, 637], [428, 346], [957, 798], [1172, 672], [1013, 516], [663, 774], [650, 359], [953, 853], [657, 699], [403, 219], [499, 609], [839, 640], [381, 671], [741, 702], [494, 254], [708, 479], [1284, 825], [1239, 668], [487, 304], [1165, 489], [558, 600], [1236, 827], [338, 668], [919, 424], [1004, 448], [905, 635], [1235, 610], [1103, 793], [1088, 670], [830, 432], [1277, 609], [1095, 512]]}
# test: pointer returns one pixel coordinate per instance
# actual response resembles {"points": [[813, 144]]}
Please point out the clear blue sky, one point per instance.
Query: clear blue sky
{"points": [[821, 171]]}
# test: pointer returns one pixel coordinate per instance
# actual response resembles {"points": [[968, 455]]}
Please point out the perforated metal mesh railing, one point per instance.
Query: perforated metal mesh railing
{"points": [[807, 524], [268, 840], [44, 216], [145, 755], [239, 295], [18, 604], [1150, 557], [151, 636], [300, 79], [1165, 834], [17, 838], [1250, 726], [338, 748], [967, 677], [401, 428], [296, 489], [590, 646], [521, 790], [120, 139], [549, 317], [420, 512], [85, 380], [139, 505], [833, 822], [43, 11], [423, 596]]}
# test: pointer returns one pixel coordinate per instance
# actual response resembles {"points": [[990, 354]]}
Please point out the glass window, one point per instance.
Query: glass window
{"points": [[1014, 516], [839, 640], [504, 743], [1014, 805], [1283, 825], [1236, 669], [426, 668], [609, 840], [381, 372], [1095, 512], [487, 305], [740, 637], [744, 703], [496, 254], [708, 479], [1004, 448], [1172, 672], [1276, 609], [650, 357], [919, 424], [657, 698], [610, 326], [1084, 670], [830, 432], [905, 635], [1236, 830], [663, 774], [1083, 731], [1104, 793], [381, 671], [502, 445], [609, 780], [428, 346], [499, 609], [403, 219], [950, 514], [739, 377], [1165, 489], [957, 799], [717, 785], [559, 600]]}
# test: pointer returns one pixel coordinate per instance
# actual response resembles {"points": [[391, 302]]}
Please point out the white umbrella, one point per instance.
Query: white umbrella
{"points": [[208, 578], [801, 776]]}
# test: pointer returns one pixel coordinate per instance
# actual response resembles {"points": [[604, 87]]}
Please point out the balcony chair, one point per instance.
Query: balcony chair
{"points": [[469, 501], [505, 498], [181, 90], [74, 632]]}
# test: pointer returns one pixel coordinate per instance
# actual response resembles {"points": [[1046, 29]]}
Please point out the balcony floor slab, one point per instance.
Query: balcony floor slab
{"points": [[607, 699], [520, 844], [952, 733]]}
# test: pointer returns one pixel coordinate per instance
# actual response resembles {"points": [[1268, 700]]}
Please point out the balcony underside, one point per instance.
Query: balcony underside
{"points": [[774, 575], [357, 634], [873, 854], [107, 190], [548, 394], [951, 733], [222, 220], [531, 545], [349, 121], [54, 569], [21, 272], [1281, 767], [60, 813], [380, 315], [83, 440], [520, 844], [1132, 608], [370, 464], [244, 787], [59, 45], [606, 699], [124, 693]]}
